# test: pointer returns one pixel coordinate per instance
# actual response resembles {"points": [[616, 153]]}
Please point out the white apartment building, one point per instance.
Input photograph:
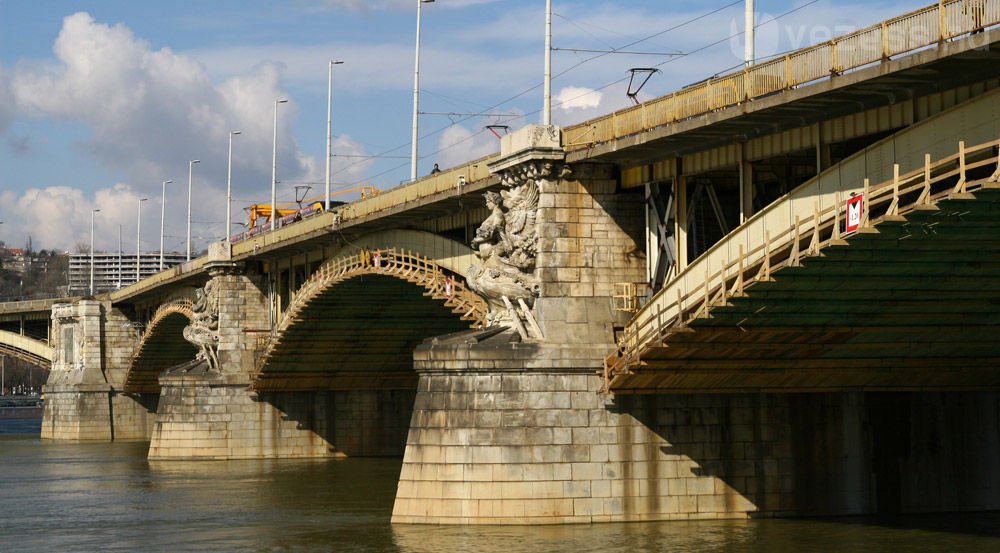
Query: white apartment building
{"points": [[113, 270]]}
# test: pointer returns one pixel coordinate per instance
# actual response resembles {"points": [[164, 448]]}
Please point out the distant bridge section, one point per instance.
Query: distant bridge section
{"points": [[28, 349]]}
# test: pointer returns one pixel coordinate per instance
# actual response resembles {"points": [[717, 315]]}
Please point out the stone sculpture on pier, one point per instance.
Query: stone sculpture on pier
{"points": [[203, 331], [506, 243]]}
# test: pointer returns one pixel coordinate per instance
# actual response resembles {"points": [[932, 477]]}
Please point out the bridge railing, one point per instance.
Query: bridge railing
{"points": [[907, 33], [787, 237], [34, 304], [444, 182]]}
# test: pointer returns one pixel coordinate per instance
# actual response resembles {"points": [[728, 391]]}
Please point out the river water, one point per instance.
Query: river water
{"points": [[109, 497]]}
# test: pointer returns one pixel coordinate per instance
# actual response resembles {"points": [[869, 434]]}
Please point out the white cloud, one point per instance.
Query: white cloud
{"points": [[374, 5], [459, 145], [6, 102], [350, 161], [58, 217], [576, 97], [149, 113]]}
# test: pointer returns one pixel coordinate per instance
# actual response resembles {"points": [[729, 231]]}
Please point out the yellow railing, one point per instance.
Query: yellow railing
{"points": [[693, 293], [444, 182], [182, 307], [906, 33]]}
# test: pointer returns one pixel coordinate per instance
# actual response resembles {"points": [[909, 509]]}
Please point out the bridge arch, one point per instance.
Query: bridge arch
{"points": [[161, 346], [449, 255], [387, 299], [27, 349]]}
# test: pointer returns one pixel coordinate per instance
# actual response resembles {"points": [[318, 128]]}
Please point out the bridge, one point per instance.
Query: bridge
{"points": [[767, 294]]}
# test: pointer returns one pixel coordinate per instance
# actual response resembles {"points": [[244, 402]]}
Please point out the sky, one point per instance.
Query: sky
{"points": [[102, 101]]}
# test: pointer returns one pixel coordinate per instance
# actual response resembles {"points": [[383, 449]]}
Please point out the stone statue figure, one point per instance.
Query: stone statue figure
{"points": [[203, 331], [506, 244]]}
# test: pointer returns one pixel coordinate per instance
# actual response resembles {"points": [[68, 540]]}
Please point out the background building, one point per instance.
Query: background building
{"points": [[113, 271], [22, 261]]}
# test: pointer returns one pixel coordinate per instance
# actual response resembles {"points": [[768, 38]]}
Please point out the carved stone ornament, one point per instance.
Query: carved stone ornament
{"points": [[64, 312], [506, 243], [203, 331]]}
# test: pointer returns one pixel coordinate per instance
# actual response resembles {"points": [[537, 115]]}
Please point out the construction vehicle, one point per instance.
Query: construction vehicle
{"points": [[260, 215]]}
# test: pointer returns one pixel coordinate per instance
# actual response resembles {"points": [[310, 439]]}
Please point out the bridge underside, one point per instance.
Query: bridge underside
{"points": [[163, 349], [909, 305], [359, 334]]}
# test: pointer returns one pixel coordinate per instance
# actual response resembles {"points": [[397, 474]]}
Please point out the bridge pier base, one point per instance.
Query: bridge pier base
{"points": [[77, 413], [519, 434], [207, 416], [95, 412], [92, 342]]}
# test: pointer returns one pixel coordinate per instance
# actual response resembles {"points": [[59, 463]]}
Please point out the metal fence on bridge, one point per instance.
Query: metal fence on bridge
{"points": [[904, 34]]}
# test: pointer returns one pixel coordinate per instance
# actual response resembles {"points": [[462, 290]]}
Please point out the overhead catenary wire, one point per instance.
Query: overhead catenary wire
{"points": [[516, 96], [531, 89], [582, 62]]}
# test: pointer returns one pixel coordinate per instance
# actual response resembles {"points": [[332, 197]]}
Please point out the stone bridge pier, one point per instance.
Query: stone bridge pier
{"points": [[510, 427], [205, 410], [515, 430], [84, 397]]}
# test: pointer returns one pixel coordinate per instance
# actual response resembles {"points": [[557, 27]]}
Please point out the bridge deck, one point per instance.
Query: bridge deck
{"points": [[900, 58]]}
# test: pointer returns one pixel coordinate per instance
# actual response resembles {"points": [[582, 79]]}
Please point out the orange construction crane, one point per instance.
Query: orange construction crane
{"points": [[263, 211]]}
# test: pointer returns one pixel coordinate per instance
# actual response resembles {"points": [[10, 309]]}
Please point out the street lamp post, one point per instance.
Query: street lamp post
{"points": [[229, 187], [274, 167], [92, 213], [329, 129], [118, 281], [547, 83], [416, 96], [163, 211], [138, 237], [190, 170]]}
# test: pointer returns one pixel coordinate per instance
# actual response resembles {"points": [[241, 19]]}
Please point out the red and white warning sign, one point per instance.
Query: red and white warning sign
{"points": [[855, 210]]}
